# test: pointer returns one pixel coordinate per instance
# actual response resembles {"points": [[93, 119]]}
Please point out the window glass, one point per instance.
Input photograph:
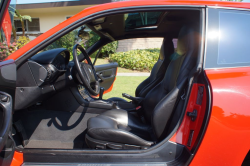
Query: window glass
{"points": [[227, 38], [18, 25], [140, 20], [70, 39], [7, 44], [234, 38], [34, 25]]}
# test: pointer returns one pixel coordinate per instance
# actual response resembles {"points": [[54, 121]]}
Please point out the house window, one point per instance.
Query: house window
{"points": [[33, 26]]}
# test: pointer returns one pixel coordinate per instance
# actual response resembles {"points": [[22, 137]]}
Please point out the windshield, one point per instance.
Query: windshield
{"points": [[69, 40]]}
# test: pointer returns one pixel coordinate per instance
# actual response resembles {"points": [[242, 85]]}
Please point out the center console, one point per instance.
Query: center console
{"points": [[105, 104], [84, 93]]}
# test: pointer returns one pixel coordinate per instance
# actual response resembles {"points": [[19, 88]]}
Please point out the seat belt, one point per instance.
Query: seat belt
{"points": [[19, 127]]}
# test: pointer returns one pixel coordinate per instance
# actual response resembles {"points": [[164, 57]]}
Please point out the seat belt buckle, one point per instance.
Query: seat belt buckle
{"points": [[137, 108], [183, 96]]}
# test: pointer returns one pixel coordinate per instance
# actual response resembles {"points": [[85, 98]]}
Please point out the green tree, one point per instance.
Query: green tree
{"points": [[15, 13], [108, 49]]}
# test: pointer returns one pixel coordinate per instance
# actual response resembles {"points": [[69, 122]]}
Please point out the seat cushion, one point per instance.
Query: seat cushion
{"points": [[119, 126]]}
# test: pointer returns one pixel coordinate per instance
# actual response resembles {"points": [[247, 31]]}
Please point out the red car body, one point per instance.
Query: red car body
{"points": [[226, 138]]}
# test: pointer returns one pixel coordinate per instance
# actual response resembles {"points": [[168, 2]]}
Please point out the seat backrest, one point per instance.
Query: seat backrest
{"points": [[159, 103], [158, 70]]}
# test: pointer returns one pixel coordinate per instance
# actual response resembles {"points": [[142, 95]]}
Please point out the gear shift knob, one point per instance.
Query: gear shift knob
{"points": [[101, 93]]}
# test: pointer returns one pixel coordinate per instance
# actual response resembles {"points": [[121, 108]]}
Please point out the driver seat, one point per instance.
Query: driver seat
{"points": [[120, 129], [157, 72]]}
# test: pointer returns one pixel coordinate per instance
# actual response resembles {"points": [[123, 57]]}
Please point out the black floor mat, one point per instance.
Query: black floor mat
{"points": [[54, 129]]}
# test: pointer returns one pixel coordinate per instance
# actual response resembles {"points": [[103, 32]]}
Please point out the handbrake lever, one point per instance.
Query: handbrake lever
{"points": [[136, 100]]}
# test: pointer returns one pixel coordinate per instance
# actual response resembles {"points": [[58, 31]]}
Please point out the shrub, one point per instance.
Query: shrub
{"points": [[22, 40], [136, 59], [109, 49], [6, 50]]}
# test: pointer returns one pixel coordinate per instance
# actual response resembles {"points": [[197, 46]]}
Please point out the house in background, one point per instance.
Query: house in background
{"points": [[46, 14]]}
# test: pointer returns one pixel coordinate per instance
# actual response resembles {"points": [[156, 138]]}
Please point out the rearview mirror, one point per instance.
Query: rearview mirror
{"points": [[83, 34]]}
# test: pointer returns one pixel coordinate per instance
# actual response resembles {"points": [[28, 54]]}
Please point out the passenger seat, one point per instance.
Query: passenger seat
{"points": [[157, 73]]}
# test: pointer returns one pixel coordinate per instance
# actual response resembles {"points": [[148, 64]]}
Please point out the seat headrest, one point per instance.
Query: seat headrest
{"points": [[188, 45], [187, 39], [167, 48]]}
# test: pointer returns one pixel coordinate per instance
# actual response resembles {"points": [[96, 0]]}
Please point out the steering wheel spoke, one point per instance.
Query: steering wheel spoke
{"points": [[86, 71]]}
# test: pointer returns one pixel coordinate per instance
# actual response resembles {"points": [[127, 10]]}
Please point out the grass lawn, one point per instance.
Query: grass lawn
{"points": [[120, 69], [125, 84]]}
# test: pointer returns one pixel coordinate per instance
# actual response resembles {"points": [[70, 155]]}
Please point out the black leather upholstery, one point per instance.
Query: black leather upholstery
{"points": [[157, 72], [120, 126], [159, 69], [117, 99]]}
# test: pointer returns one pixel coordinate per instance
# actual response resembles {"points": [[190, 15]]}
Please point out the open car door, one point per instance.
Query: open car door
{"points": [[7, 91], [106, 74]]}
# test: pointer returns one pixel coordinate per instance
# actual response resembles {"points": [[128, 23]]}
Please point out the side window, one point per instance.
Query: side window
{"points": [[227, 38], [131, 54]]}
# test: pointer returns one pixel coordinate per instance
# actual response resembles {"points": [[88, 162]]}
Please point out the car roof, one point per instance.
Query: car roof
{"points": [[126, 3], [167, 23]]}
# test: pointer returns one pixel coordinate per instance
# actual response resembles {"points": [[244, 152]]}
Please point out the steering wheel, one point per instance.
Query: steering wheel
{"points": [[86, 74]]}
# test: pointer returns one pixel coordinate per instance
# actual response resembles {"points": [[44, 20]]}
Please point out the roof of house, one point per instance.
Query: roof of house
{"points": [[54, 3]]}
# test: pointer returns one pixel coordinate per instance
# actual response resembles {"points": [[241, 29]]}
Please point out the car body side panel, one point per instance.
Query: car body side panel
{"points": [[226, 141]]}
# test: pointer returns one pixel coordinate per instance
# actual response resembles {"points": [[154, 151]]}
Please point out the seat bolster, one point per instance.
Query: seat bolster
{"points": [[125, 118], [163, 111], [117, 136], [119, 126], [98, 122]]}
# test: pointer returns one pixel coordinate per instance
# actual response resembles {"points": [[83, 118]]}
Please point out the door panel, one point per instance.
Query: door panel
{"points": [[106, 74], [7, 92], [7, 145]]}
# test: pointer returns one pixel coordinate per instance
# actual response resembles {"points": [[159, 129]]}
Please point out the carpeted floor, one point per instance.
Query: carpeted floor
{"points": [[54, 129]]}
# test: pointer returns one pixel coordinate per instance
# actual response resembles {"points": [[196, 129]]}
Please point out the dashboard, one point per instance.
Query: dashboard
{"points": [[60, 62], [42, 75], [54, 61]]}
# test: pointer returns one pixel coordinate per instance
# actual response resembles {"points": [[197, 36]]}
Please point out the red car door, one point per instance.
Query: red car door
{"points": [[227, 66], [7, 90]]}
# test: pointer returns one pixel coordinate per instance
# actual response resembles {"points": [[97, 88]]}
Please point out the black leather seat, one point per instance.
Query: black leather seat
{"points": [[157, 72], [120, 129]]}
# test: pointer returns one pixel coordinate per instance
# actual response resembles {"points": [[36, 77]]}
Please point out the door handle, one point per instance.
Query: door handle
{"points": [[101, 79]]}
